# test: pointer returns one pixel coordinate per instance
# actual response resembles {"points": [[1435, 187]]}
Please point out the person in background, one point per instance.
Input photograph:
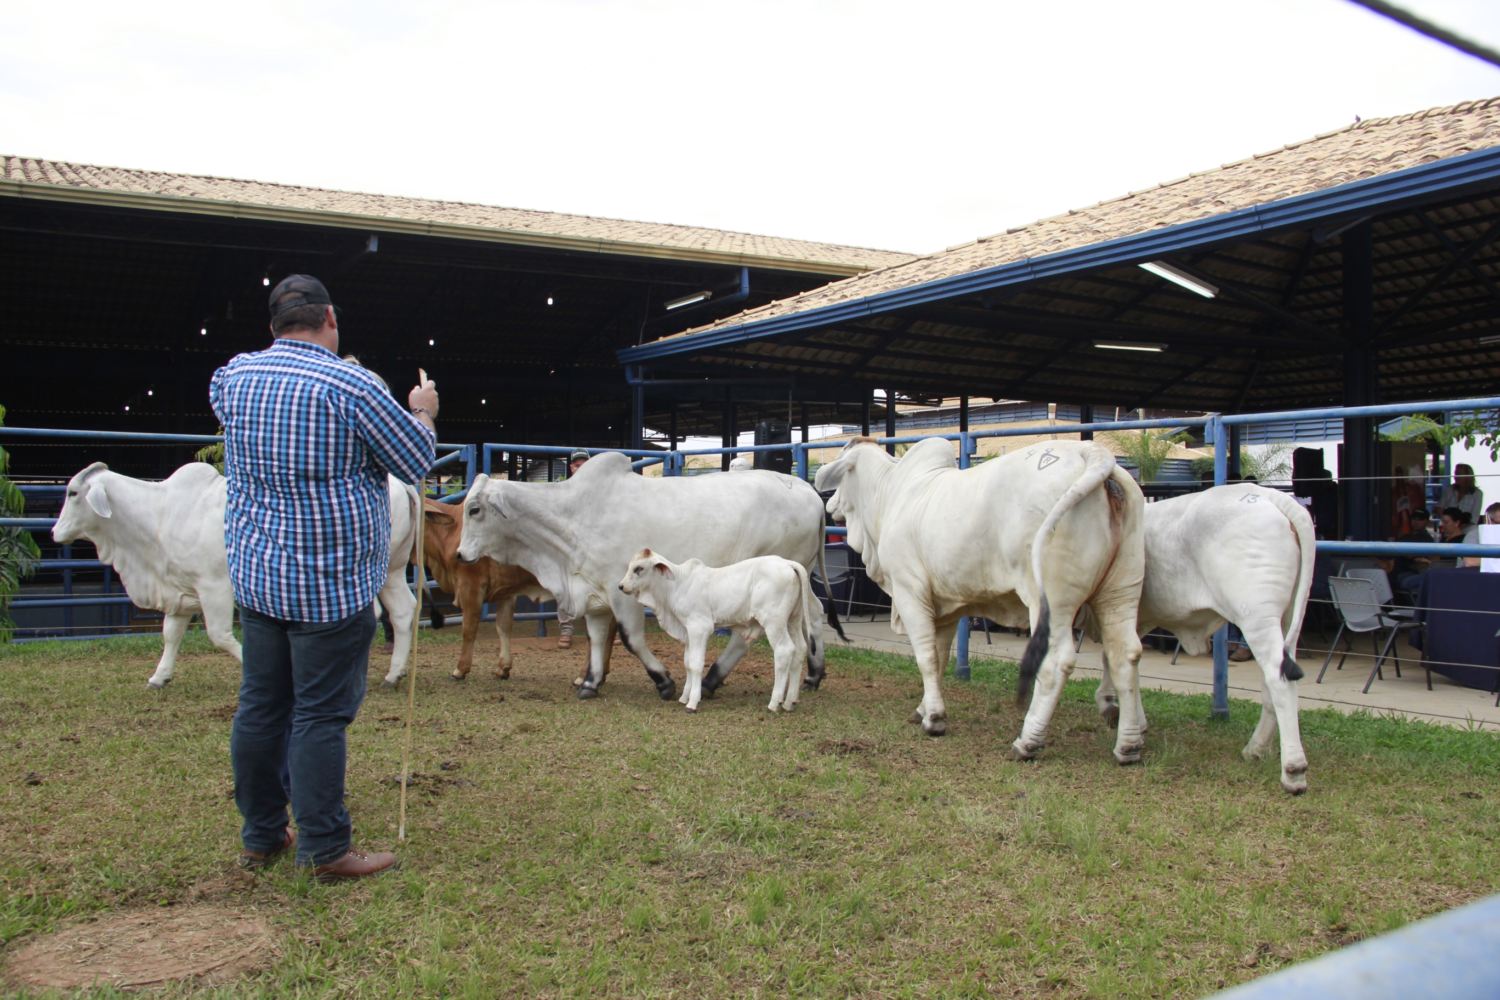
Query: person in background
{"points": [[1406, 496], [308, 442], [1463, 494], [1406, 572], [565, 620], [1492, 514]]}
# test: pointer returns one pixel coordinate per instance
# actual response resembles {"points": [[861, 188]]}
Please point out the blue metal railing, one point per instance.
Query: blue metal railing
{"points": [[673, 463], [67, 565]]}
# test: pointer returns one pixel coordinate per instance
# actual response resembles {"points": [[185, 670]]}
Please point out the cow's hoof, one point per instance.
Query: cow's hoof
{"points": [[1253, 753], [667, 691], [690, 708], [155, 685], [811, 683], [711, 684], [585, 693], [936, 726], [1129, 755], [390, 685], [503, 675], [456, 675], [915, 717], [1294, 784], [1023, 751]]}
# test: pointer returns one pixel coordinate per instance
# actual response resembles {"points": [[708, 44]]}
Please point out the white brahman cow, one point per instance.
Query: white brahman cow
{"points": [[577, 536], [166, 541], [1239, 553], [765, 594], [1033, 536]]}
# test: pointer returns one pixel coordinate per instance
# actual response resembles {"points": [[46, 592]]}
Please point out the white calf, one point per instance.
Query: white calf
{"points": [[764, 594]]}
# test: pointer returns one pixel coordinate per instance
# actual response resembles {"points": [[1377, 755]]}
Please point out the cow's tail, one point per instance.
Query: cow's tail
{"points": [[808, 606], [1291, 621], [833, 614], [417, 519], [1036, 652], [1098, 471]]}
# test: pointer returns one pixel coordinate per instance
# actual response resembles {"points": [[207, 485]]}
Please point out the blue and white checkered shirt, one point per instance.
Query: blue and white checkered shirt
{"points": [[308, 440]]}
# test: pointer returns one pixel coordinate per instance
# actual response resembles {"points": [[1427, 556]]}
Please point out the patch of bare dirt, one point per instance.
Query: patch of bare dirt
{"points": [[206, 943], [846, 747]]}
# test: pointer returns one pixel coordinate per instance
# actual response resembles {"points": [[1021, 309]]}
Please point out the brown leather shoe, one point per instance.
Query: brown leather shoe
{"points": [[259, 859], [564, 641], [354, 864]]}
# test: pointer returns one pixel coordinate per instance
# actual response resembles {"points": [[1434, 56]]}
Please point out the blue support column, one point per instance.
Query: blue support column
{"points": [[961, 666], [1219, 435]]}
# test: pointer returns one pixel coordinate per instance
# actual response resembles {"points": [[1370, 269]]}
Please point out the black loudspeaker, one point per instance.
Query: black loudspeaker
{"points": [[774, 432]]}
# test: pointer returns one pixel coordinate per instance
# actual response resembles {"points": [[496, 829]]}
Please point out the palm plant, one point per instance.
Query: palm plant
{"points": [[18, 550], [1146, 449]]}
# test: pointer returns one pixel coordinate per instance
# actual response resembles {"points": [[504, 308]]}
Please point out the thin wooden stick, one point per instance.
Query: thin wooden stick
{"points": [[411, 662]]}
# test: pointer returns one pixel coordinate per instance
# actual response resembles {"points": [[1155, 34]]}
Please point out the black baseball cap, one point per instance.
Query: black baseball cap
{"points": [[1421, 512], [296, 290]]}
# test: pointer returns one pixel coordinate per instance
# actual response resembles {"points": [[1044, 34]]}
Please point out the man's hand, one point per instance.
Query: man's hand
{"points": [[423, 399]]}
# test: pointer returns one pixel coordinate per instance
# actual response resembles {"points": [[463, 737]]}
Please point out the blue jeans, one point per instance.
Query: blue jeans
{"points": [[300, 687]]}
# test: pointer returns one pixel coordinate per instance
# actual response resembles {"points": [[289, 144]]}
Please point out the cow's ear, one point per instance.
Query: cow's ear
{"points": [[439, 518], [663, 569], [98, 499], [493, 502]]}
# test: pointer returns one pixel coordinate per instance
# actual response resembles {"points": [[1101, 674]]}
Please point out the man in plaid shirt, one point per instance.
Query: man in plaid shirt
{"points": [[308, 441]]}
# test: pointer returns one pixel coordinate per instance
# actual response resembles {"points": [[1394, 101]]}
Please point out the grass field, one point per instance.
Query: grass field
{"points": [[624, 847]]}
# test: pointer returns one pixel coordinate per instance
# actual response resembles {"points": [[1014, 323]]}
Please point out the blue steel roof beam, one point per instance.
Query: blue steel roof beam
{"points": [[1249, 380], [1479, 314], [1398, 190], [1469, 265], [806, 339], [1014, 385], [1048, 324], [1289, 291], [1275, 311], [1150, 395], [1459, 259]]}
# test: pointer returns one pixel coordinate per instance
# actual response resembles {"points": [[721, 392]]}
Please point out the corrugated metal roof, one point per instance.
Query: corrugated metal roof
{"points": [[29, 177], [1362, 150], [1018, 315]]}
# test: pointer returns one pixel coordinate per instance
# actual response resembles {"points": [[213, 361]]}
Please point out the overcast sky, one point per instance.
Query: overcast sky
{"points": [[906, 126]]}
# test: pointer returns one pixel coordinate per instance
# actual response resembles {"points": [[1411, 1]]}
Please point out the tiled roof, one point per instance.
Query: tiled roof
{"points": [[1362, 150], [29, 177]]}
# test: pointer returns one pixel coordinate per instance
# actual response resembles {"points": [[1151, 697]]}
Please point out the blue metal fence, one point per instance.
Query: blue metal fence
{"points": [[673, 463], [68, 601]]}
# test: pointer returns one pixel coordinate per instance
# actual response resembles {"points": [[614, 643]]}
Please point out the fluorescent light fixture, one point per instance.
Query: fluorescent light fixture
{"points": [[1182, 278], [1121, 345], [688, 300]]}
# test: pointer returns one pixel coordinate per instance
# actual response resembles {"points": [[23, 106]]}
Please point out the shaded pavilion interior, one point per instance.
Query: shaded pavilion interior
{"points": [[124, 288]]}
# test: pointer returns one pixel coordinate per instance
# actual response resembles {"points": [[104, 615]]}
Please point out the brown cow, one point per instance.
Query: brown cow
{"points": [[472, 584]]}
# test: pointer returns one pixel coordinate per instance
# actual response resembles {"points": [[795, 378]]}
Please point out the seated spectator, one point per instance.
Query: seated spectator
{"points": [[1406, 571]]}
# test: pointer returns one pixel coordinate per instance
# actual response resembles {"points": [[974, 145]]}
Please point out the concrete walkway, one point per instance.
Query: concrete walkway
{"points": [[1447, 703]]}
